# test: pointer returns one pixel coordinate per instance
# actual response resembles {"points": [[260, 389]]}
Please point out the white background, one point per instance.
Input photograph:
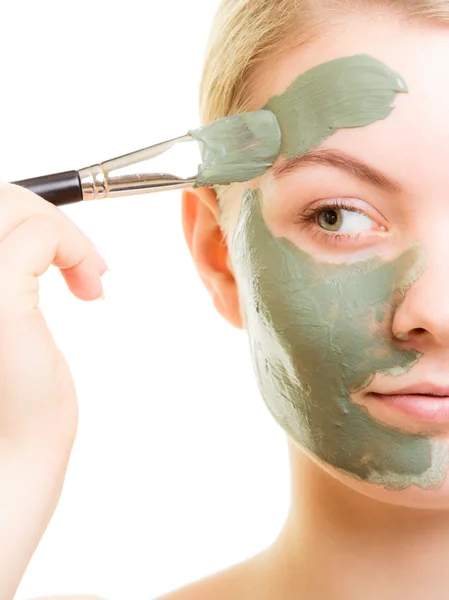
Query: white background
{"points": [[178, 470]]}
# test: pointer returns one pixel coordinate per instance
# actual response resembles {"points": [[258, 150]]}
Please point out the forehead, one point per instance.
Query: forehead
{"points": [[418, 51], [419, 122], [412, 143]]}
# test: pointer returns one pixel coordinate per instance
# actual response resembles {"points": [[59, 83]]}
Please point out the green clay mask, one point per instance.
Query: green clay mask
{"points": [[347, 92], [237, 148], [320, 331]]}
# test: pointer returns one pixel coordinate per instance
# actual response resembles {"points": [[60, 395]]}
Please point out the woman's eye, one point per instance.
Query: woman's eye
{"points": [[342, 220]]}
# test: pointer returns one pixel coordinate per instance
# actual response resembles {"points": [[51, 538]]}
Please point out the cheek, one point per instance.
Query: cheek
{"points": [[315, 336], [309, 352]]}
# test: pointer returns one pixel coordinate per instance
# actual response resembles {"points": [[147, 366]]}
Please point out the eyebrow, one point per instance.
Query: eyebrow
{"points": [[339, 160]]}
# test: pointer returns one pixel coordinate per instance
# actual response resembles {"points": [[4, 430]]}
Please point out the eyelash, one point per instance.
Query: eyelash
{"points": [[308, 219]]}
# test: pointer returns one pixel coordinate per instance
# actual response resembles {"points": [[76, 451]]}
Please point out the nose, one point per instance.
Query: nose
{"points": [[424, 312]]}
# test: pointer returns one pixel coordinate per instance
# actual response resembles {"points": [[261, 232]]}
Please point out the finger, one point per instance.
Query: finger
{"points": [[17, 203], [27, 252]]}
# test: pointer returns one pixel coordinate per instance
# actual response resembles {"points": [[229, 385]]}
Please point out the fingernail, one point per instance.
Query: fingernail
{"points": [[104, 264], [102, 260], [101, 296]]}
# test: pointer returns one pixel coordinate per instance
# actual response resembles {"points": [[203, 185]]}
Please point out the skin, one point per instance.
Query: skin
{"points": [[381, 144], [281, 286], [340, 529], [309, 359], [364, 523], [351, 91]]}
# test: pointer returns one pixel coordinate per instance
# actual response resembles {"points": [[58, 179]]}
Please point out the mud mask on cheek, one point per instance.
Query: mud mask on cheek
{"points": [[319, 332]]}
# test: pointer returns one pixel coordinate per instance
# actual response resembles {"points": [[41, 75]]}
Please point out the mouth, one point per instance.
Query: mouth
{"points": [[426, 403]]}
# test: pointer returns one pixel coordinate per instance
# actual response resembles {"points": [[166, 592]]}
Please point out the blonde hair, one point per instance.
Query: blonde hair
{"points": [[247, 32]]}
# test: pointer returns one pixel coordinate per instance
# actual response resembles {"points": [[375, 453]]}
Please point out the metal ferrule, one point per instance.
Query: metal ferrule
{"points": [[105, 181]]}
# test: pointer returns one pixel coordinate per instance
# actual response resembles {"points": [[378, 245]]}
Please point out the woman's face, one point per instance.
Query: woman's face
{"points": [[342, 267]]}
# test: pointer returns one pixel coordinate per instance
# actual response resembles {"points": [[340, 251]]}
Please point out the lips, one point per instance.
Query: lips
{"points": [[425, 402], [425, 389]]}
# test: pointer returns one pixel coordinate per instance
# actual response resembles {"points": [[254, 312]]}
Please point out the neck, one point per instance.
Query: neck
{"points": [[338, 543]]}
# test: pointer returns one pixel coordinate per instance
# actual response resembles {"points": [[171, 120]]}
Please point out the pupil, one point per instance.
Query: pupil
{"points": [[331, 217]]}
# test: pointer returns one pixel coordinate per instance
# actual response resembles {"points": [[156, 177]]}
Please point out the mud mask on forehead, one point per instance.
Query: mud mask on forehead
{"points": [[320, 331], [347, 92]]}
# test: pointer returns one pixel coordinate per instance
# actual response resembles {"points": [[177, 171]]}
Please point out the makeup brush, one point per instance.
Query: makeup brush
{"points": [[236, 148]]}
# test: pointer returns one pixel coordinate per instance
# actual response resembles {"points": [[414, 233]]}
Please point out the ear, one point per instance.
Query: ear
{"points": [[209, 250]]}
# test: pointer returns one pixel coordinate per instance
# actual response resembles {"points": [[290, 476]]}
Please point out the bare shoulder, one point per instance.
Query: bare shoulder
{"points": [[249, 579], [70, 597], [239, 582]]}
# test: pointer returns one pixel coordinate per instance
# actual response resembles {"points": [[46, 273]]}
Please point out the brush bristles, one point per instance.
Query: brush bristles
{"points": [[237, 148]]}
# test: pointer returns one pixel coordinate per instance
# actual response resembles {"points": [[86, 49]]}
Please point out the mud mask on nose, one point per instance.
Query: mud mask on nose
{"points": [[319, 332]]}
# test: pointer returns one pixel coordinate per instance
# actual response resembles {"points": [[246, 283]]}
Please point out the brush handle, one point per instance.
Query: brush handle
{"points": [[58, 188]]}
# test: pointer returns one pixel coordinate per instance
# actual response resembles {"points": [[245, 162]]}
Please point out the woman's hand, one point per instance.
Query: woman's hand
{"points": [[38, 405]]}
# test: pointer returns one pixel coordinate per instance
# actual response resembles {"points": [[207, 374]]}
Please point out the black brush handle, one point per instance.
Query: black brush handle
{"points": [[59, 188]]}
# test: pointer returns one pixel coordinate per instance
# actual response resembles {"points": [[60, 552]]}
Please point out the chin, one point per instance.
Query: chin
{"points": [[330, 482], [413, 496]]}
